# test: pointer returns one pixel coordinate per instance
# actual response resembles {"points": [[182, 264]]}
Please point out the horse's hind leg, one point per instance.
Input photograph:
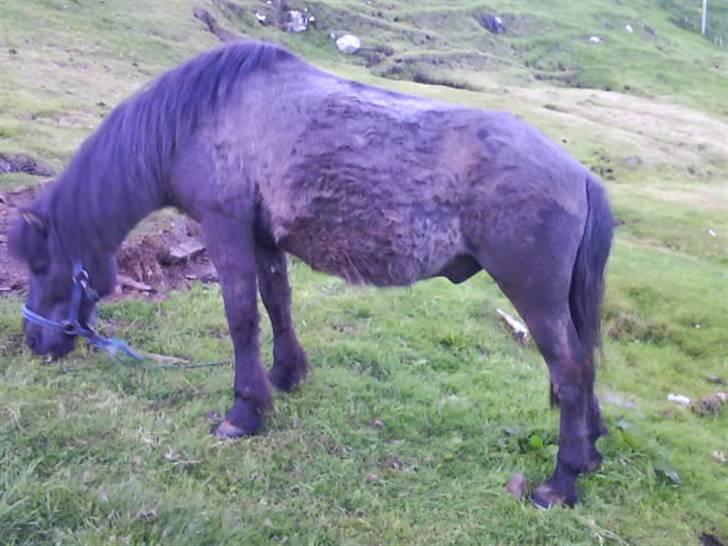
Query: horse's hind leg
{"points": [[537, 281], [289, 359], [572, 380], [231, 247]]}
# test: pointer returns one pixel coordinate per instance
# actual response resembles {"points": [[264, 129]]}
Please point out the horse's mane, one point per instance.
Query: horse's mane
{"points": [[129, 155]]}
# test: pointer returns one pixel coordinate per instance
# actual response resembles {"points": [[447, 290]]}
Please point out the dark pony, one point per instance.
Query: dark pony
{"points": [[272, 155]]}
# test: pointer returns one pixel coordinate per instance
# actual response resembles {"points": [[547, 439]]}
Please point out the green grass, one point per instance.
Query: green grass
{"points": [[90, 445], [94, 453]]}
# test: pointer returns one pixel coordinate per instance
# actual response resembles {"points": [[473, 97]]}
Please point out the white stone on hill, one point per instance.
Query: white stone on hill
{"points": [[348, 43]]}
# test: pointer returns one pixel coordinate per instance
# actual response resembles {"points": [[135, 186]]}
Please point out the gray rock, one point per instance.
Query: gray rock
{"points": [[632, 162], [492, 23], [348, 44], [297, 22]]}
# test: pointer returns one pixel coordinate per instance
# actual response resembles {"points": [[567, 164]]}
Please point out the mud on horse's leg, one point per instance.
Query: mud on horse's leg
{"points": [[231, 247], [290, 365]]}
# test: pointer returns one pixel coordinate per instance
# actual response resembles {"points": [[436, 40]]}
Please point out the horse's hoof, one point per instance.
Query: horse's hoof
{"points": [[244, 419], [227, 431], [546, 496]]}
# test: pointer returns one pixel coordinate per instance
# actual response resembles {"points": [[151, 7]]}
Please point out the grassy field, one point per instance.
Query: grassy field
{"points": [[420, 405]]}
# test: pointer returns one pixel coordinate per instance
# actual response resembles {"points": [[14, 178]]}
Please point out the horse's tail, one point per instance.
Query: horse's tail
{"points": [[587, 280]]}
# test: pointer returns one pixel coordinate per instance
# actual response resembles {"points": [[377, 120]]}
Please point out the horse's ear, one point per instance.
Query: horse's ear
{"points": [[28, 239]]}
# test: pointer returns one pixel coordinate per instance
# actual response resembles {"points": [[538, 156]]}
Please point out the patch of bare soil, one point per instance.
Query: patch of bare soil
{"points": [[21, 163], [13, 276], [165, 255]]}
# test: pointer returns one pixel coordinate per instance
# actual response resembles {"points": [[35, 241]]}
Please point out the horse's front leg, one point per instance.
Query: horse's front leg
{"points": [[290, 366], [231, 248]]}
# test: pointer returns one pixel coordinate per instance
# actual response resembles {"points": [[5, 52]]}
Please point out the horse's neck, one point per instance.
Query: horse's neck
{"points": [[93, 219]]}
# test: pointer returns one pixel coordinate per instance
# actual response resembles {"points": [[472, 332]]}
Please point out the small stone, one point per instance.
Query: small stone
{"points": [[146, 515], [492, 23], [186, 250], [629, 28], [371, 477], [595, 39], [517, 486], [394, 463], [348, 44], [679, 399], [632, 161], [297, 22], [377, 423]]}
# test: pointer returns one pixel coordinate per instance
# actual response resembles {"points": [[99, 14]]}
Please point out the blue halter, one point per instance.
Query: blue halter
{"points": [[72, 325]]}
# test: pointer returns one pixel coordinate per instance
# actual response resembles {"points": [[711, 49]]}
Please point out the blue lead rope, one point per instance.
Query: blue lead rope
{"points": [[113, 346], [118, 349]]}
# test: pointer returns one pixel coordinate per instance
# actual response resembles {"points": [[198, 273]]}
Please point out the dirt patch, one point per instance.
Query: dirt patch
{"points": [[626, 326], [165, 255], [21, 163], [375, 55], [13, 276], [419, 69], [212, 25]]}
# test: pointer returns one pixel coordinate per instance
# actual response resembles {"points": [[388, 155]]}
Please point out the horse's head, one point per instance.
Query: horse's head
{"points": [[62, 289]]}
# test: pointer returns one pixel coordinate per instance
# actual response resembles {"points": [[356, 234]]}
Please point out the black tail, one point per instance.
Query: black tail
{"points": [[587, 281]]}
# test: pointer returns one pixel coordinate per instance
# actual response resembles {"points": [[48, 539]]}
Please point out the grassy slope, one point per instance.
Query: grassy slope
{"points": [[96, 454]]}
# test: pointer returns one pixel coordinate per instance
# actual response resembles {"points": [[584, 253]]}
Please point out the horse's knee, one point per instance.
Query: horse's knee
{"points": [[570, 397]]}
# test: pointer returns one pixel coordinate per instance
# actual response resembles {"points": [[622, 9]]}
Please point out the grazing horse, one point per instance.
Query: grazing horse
{"points": [[272, 155]]}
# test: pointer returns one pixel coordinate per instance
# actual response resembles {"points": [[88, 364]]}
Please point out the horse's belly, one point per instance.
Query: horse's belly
{"points": [[390, 247]]}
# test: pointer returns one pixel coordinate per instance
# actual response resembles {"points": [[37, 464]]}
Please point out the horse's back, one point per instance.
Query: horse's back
{"points": [[385, 188]]}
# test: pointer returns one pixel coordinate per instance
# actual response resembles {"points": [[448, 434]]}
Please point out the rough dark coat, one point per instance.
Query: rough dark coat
{"points": [[272, 155]]}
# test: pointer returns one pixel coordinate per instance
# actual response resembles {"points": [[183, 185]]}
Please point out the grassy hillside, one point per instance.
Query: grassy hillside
{"points": [[93, 453]]}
